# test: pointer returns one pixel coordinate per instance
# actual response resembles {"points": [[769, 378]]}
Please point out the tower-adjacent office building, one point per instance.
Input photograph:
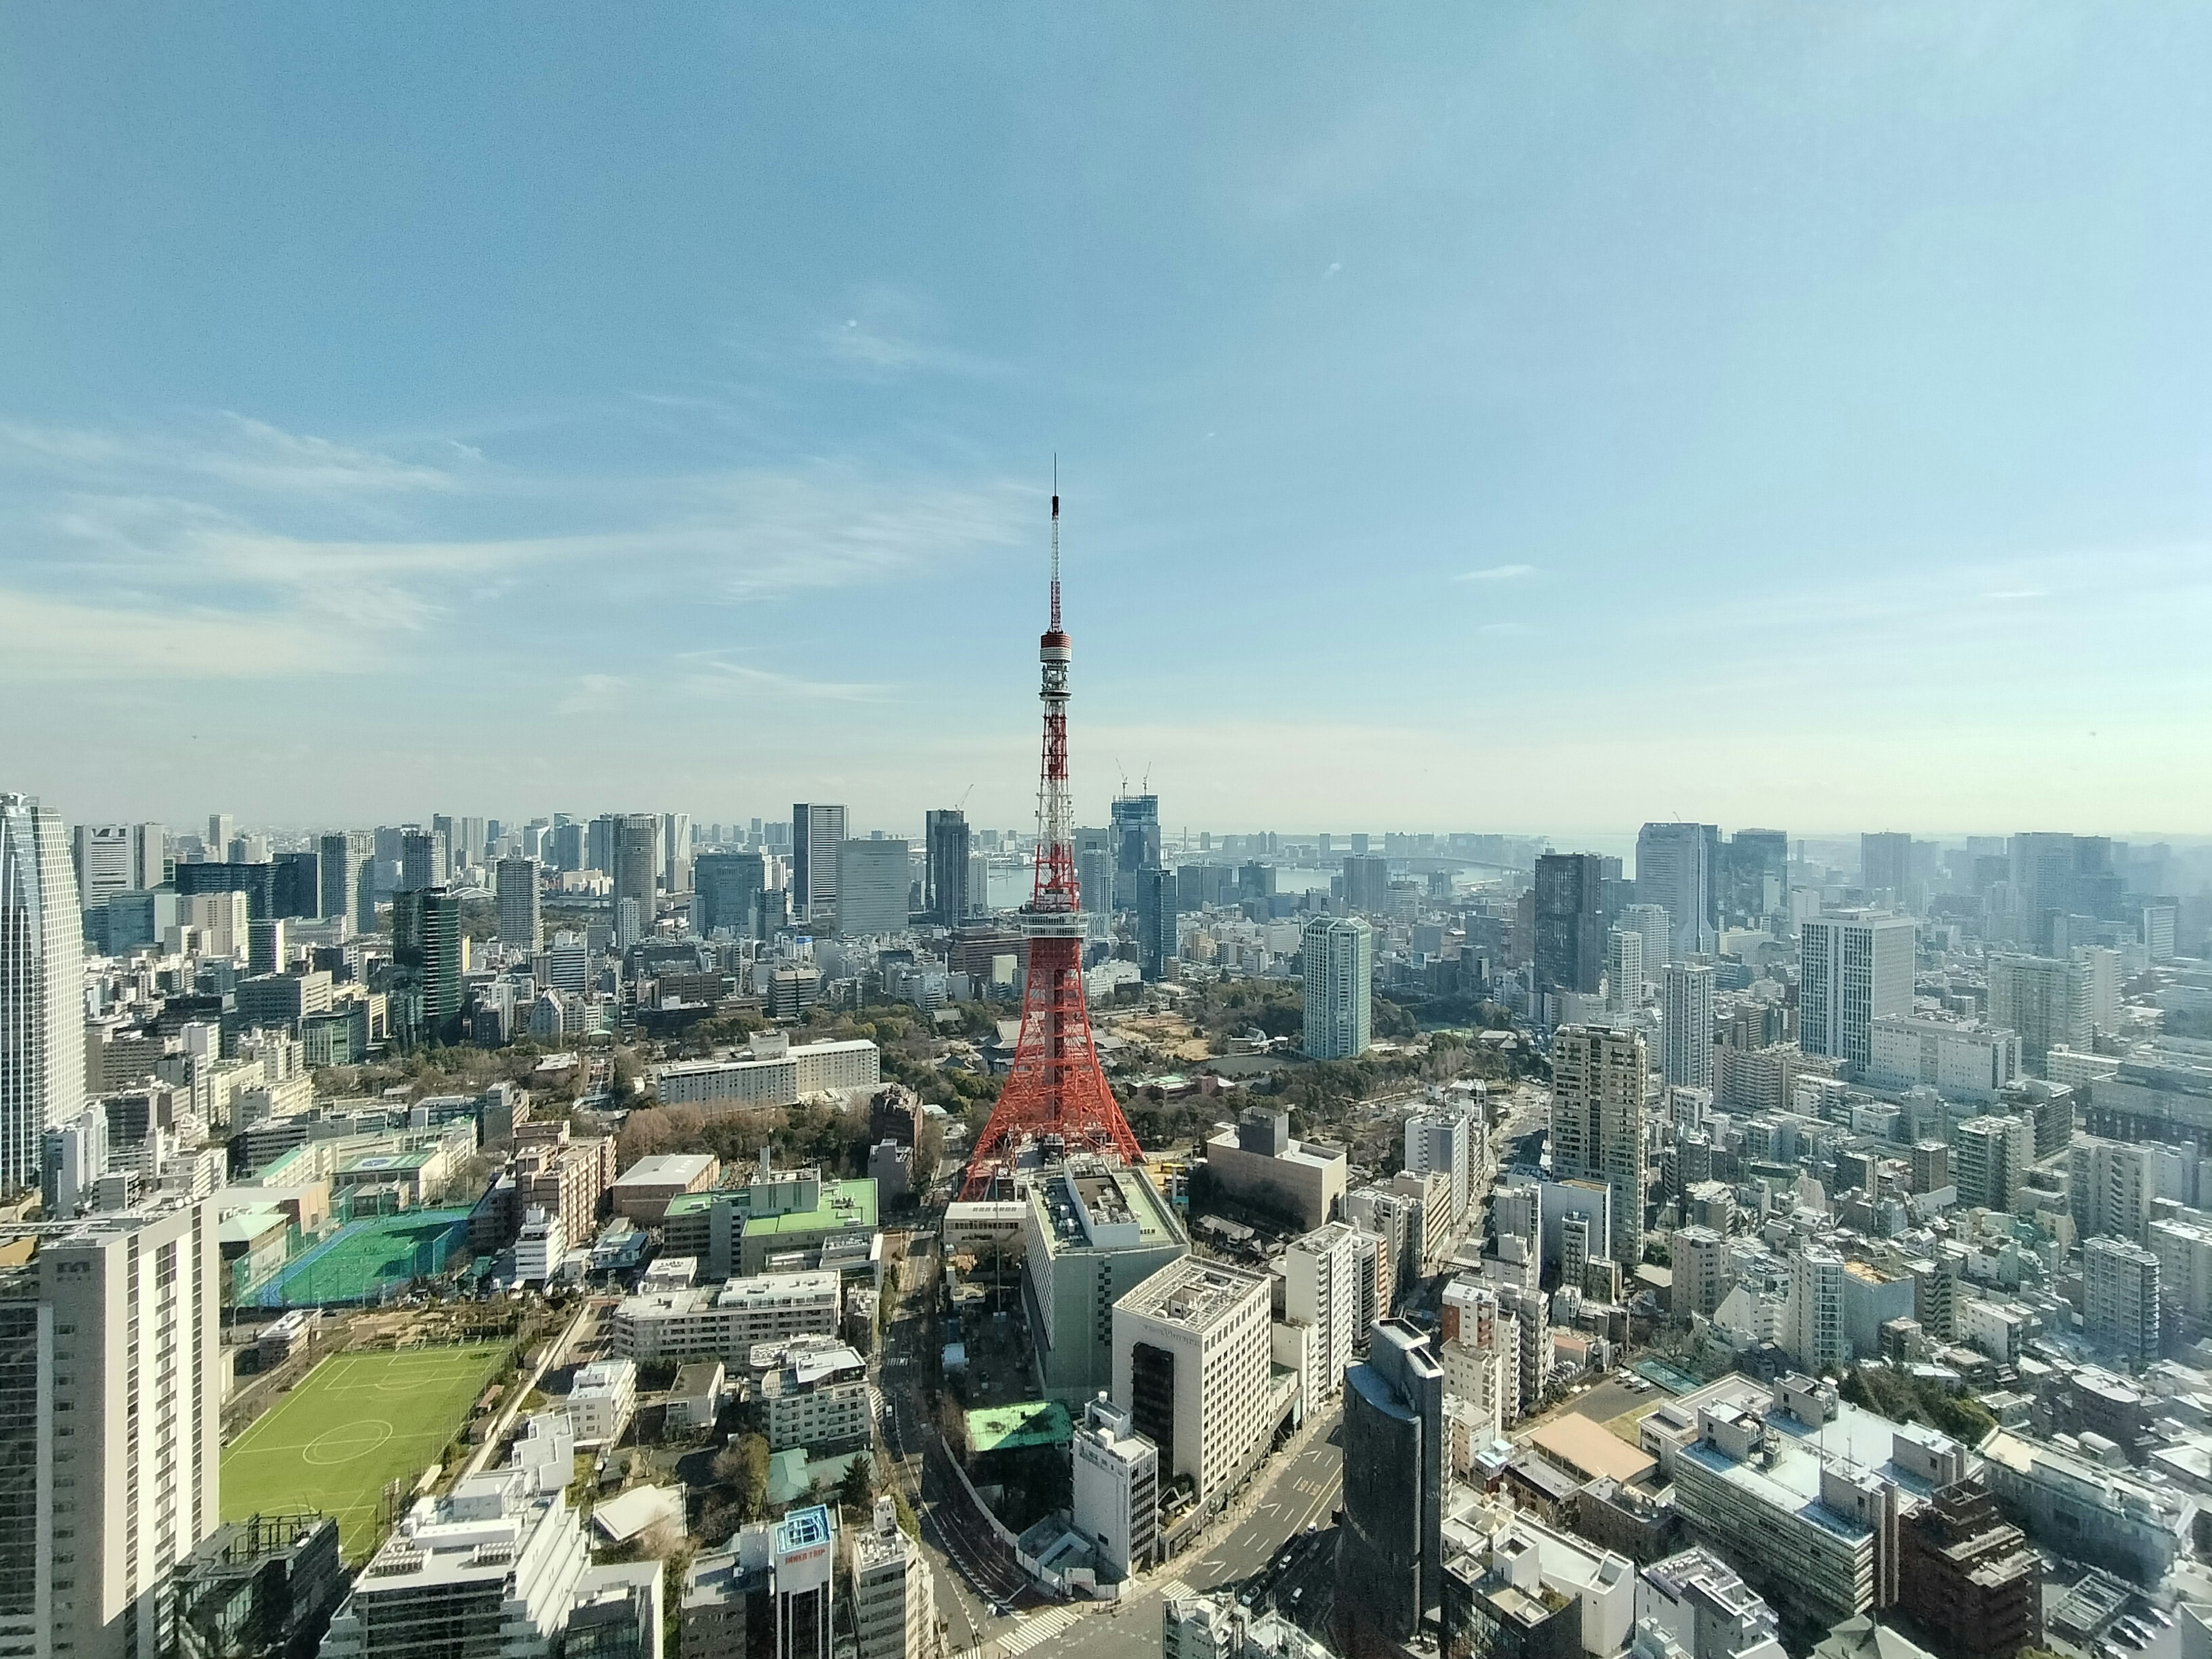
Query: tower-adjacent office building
{"points": [[726, 893], [1755, 879], [1389, 1572], [944, 893], [1340, 986], [1687, 1056], [110, 1394], [1674, 866], [1597, 1124], [1649, 922], [816, 829], [1191, 1367], [1624, 970], [874, 880], [41, 986], [1854, 968], [1570, 920], [516, 885]]}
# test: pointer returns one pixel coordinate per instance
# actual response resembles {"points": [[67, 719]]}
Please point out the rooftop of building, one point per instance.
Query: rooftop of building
{"points": [[1788, 1478], [667, 1169], [1027, 1423], [1093, 1204], [1193, 1293], [1313, 1154], [475, 1532]]}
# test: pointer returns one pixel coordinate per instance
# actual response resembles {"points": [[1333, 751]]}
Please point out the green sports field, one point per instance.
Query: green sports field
{"points": [[357, 1421]]}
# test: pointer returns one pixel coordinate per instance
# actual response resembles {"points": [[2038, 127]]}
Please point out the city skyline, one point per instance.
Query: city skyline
{"points": [[598, 418]]}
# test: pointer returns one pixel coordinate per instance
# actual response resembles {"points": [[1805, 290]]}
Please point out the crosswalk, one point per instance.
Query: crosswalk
{"points": [[1172, 1588], [1036, 1628]]}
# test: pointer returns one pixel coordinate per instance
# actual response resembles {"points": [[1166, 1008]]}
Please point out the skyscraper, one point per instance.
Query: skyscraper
{"points": [[2119, 1297], [342, 854], [1367, 882], [1569, 942], [816, 829], [1886, 866], [150, 850], [1854, 968], [110, 1436], [221, 827], [41, 988], [636, 873], [426, 959], [1155, 907], [1597, 1124], [1650, 922], [1674, 870], [1340, 986], [728, 887], [422, 859], [1624, 970], [1756, 863], [101, 854], [1136, 843], [295, 885], [1389, 1572], [944, 865], [675, 851], [2046, 1001], [1812, 1316], [516, 885], [1687, 1057], [873, 876]]}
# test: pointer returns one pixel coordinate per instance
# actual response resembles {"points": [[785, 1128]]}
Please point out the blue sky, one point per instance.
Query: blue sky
{"points": [[1522, 417]]}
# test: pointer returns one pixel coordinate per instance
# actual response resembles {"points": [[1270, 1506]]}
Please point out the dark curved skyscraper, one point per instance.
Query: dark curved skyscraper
{"points": [[1389, 1558]]}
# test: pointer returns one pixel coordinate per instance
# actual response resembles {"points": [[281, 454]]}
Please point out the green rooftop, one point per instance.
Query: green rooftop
{"points": [[1011, 1428], [842, 1204], [691, 1203]]}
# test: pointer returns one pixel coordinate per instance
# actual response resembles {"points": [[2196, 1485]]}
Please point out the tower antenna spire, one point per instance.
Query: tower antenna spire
{"points": [[1056, 1099]]}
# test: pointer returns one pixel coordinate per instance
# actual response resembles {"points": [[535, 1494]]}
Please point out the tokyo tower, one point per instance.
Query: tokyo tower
{"points": [[1055, 1096]]}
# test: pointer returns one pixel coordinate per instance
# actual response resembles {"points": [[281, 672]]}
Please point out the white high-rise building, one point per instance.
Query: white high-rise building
{"points": [[516, 885], [1322, 1273], [1597, 1125], [1445, 1142], [41, 987], [1340, 986], [150, 856], [101, 854], [109, 1397], [1854, 968], [816, 829], [1813, 1318], [1623, 969], [1649, 923], [1191, 1361], [1687, 1059], [893, 1598], [2119, 1297], [874, 881], [1115, 1489]]}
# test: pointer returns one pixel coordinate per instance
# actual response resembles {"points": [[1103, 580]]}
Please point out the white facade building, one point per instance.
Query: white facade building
{"points": [[1447, 1142], [1962, 1060], [110, 1388], [41, 986], [893, 1598], [1323, 1272], [602, 1400], [1115, 1497], [725, 1321], [1686, 1036], [1191, 1358], [1854, 968], [1340, 986]]}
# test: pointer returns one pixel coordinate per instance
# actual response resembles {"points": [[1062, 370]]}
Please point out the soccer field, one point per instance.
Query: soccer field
{"points": [[357, 1421]]}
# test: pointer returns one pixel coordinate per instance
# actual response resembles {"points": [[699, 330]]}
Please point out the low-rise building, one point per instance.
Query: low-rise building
{"points": [[642, 1191], [724, 1322], [602, 1400], [817, 1398], [1115, 1487], [1258, 1165]]}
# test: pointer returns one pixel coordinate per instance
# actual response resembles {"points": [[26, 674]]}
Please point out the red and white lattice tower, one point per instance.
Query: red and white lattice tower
{"points": [[1056, 1093]]}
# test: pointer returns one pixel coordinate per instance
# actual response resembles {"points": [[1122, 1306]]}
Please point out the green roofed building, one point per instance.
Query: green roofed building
{"points": [[1022, 1426], [782, 1220]]}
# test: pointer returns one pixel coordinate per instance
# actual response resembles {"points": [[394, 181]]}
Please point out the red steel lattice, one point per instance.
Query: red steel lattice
{"points": [[1055, 1090]]}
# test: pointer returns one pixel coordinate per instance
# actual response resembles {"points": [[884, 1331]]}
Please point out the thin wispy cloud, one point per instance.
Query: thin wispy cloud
{"points": [[2014, 594], [717, 674], [1496, 573], [226, 449]]}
